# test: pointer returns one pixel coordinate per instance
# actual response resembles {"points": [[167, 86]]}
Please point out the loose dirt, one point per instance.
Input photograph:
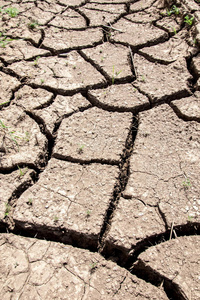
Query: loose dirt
{"points": [[99, 149]]}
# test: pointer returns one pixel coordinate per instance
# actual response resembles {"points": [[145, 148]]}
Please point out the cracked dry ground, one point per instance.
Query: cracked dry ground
{"points": [[99, 150]]}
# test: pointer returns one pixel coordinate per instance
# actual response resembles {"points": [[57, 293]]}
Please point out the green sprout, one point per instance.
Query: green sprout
{"points": [[189, 20], [80, 149], [11, 11], [8, 208], [88, 213], [93, 266], [174, 30], [32, 25], [190, 218], [174, 10], [4, 41], [186, 183], [22, 173], [3, 103], [56, 219], [9, 134], [115, 74], [27, 136], [30, 201], [35, 63], [3, 125]]}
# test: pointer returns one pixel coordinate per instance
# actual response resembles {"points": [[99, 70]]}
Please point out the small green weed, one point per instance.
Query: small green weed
{"points": [[190, 218], [56, 219], [115, 74], [189, 20], [4, 41], [3, 125], [35, 63], [22, 173], [142, 78], [80, 149], [174, 30], [8, 208], [9, 134], [3, 103], [187, 184], [11, 11], [93, 266], [42, 81], [32, 25], [30, 201], [27, 136], [88, 213], [174, 10]]}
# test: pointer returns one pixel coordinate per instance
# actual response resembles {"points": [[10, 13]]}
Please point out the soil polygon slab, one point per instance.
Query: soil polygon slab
{"points": [[20, 139], [191, 5], [61, 107], [69, 196], [133, 222], [7, 85], [59, 39], [71, 2], [29, 98], [189, 107], [52, 6], [9, 25], [177, 260], [20, 49], [9, 183], [93, 135], [169, 51], [63, 74], [169, 24], [195, 65], [141, 5], [120, 98], [68, 19], [160, 81], [164, 165], [110, 2], [143, 17], [106, 56], [38, 16], [41, 269], [99, 14], [137, 35]]}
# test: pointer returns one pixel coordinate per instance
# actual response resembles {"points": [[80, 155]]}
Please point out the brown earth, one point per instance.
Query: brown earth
{"points": [[99, 149]]}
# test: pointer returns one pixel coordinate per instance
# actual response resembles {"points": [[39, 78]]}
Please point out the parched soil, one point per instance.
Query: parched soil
{"points": [[100, 149]]}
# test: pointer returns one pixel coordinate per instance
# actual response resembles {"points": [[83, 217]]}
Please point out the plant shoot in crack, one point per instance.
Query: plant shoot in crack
{"points": [[22, 172], [187, 184], [4, 40], [10, 138], [8, 135], [11, 11], [115, 74], [174, 10], [33, 25], [189, 20], [35, 63], [8, 208], [80, 149]]}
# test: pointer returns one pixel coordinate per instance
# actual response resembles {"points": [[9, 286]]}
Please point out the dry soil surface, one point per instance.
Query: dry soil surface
{"points": [[99, 149]]}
